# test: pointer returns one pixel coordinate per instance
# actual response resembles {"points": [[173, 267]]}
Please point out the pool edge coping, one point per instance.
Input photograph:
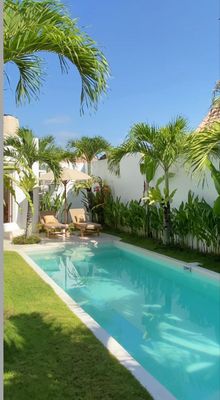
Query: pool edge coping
{"points": [[118, 241], [194, 265], [151, 384]]}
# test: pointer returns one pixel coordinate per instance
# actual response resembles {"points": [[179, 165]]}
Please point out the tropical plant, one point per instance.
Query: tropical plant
{"points": [[24, 150], [8, 170], [157, 147], [32, 27], [26, 240], [85, 188], [26, 180], [136, 217], [93, 197], [51, 202], [87, 148], [196, 225], [133, 216], [203, 150]]}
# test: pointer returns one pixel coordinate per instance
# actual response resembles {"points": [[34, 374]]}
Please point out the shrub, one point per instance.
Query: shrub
{"points": [[194, 224], [71, 228], [26, 240]]}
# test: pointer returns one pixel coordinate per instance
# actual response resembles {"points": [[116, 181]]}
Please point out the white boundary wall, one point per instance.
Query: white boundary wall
{"points": [[130, 184]]}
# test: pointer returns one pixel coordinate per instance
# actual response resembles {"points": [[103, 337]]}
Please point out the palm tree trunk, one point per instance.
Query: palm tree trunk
{"points": [[89, 167], [167, 223], [147, 209], [89, 192], [28, 230], [166, 210]]}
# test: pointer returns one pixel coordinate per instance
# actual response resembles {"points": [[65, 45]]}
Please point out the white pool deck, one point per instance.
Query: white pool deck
{"points": [[154, 387], [58, 241]]}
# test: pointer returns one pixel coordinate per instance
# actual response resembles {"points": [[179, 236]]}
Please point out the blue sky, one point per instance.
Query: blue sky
{"points": [[164, 60]]}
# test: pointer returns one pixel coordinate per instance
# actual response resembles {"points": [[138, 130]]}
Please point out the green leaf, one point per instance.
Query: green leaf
{"points": [[148, 167], [216, 207], [162, 178], [215, 175]]}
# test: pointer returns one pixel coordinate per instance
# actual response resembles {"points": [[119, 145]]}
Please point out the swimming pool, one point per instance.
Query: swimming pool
{"points": [[166, 317]]}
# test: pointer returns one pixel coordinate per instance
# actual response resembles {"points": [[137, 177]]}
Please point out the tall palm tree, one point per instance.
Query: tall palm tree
{"points": [[23, 150], [157, 147], [32, 27], [87, 148]]}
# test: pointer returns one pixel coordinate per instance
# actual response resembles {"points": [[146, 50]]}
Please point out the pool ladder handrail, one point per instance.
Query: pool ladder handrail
{"points": [[187, 268]]}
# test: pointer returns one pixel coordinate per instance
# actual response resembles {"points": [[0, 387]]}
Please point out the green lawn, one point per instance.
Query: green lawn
{"points": [[49, 353], [211, 262]]}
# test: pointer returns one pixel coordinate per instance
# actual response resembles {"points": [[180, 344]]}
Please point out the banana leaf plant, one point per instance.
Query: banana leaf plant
{"points": [[215, 174], [164, 199]]}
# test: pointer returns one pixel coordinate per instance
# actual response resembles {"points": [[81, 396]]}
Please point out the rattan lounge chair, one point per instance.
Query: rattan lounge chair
{"points": [[80, 222], [51, 224]]}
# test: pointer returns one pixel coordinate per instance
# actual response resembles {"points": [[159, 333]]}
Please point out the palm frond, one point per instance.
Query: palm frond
{"points": [[163, 145], [203, 146], [88, 147], [31, 27]]}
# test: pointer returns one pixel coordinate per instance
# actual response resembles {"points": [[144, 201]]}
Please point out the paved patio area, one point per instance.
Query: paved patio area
{"points": [[55, 241]]}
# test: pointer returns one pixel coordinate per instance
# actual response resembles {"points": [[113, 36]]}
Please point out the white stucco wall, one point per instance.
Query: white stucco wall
{"points": [[130, 184]]}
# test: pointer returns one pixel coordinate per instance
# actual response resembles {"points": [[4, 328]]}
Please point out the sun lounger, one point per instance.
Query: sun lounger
{"points": [[51, 224], [80, 222]]}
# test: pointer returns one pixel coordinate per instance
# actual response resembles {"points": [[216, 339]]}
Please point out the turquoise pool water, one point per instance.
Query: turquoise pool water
{"points": [[168, 319]]}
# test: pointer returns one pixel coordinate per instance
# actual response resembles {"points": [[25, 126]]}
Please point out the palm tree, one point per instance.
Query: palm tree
{"points": [[23, 150], [203, 150], [87, 148], [26, 179], [203, 145], [157, 147], [31, 27]]}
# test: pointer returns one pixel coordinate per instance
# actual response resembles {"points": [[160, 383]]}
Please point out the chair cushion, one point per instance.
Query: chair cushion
{"points": [[91, 226], [80, 218], [50, 219]]}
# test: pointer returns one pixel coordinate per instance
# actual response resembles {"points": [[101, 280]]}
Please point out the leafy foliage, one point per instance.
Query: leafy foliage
{"points": [[203, 146], [155, 195], [194, 223], [158, 147], [23, 150], [93, 198], [26, 182], [49, 202], [203, 149], [163, 145], [26, 240], [32, 27], [133, 216], [87, 148]]}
